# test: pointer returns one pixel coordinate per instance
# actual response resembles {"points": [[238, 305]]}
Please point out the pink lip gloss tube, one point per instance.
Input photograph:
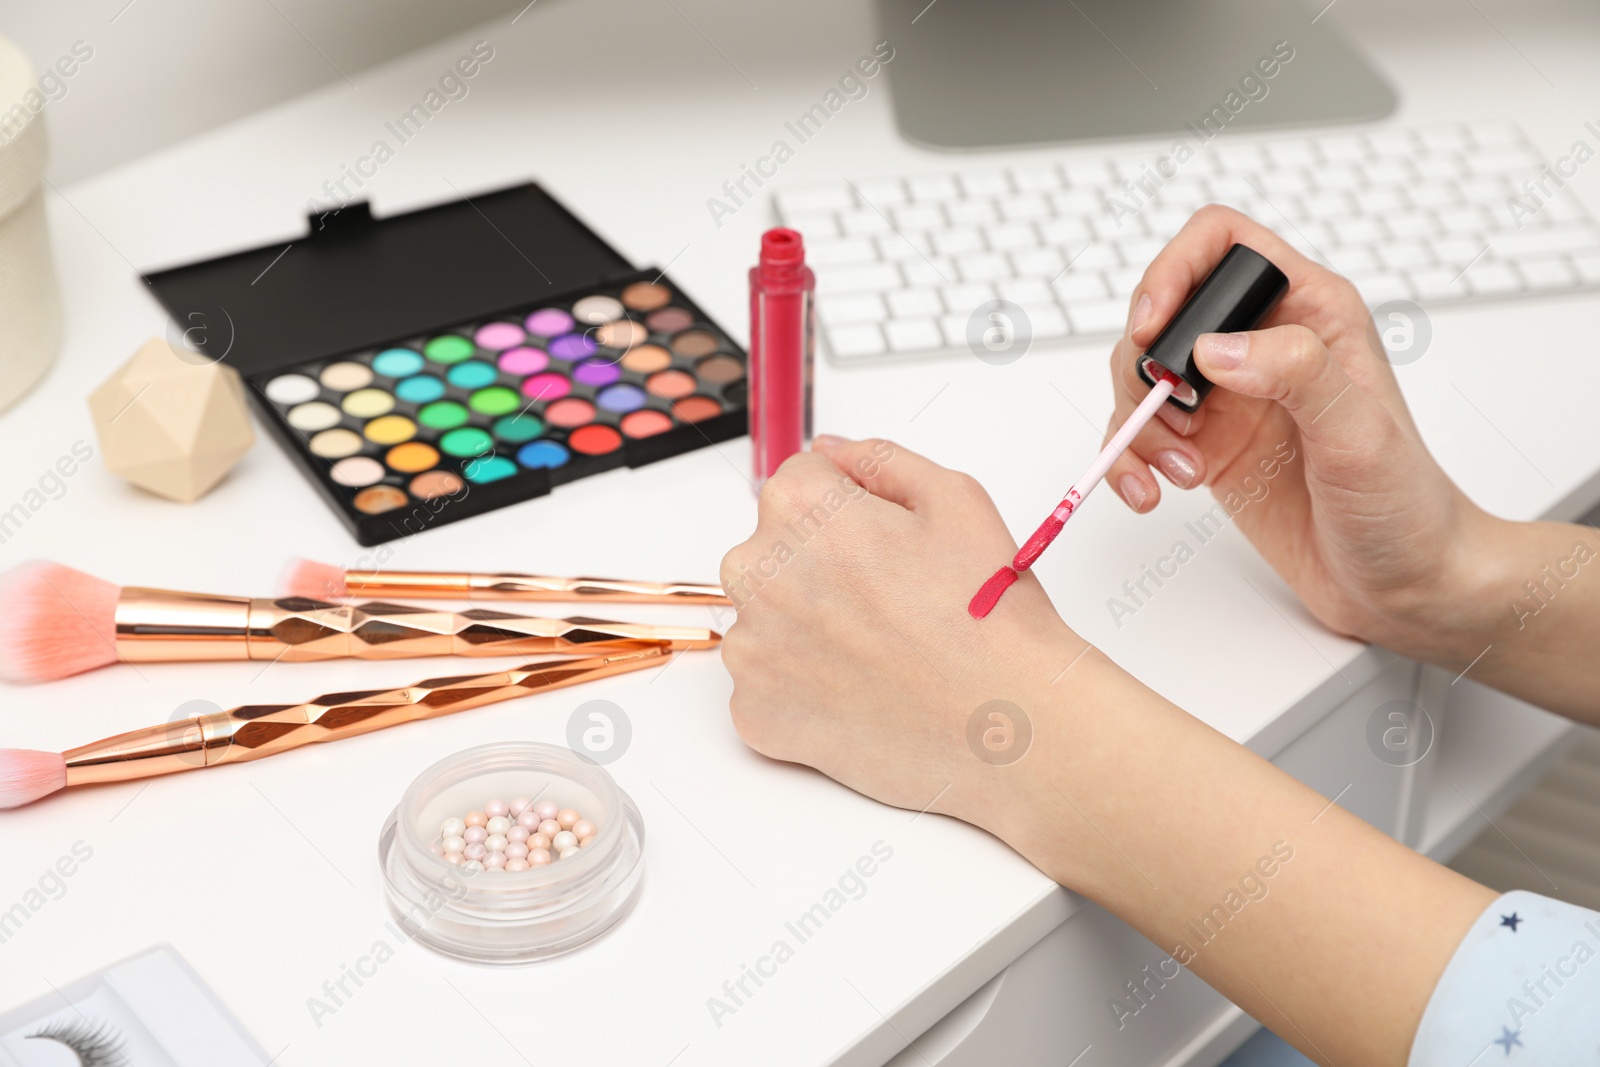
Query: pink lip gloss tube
{"points": [[782, 341]]}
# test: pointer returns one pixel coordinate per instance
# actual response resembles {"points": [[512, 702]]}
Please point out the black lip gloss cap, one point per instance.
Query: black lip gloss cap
{"points": [[1235, 296]]}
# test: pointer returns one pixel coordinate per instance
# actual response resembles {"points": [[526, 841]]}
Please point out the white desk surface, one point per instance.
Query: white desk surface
{"points": [[264, 876]]}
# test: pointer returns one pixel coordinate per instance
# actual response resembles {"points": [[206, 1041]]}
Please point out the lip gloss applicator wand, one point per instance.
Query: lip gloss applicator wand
{"points": [[1235, 296]]}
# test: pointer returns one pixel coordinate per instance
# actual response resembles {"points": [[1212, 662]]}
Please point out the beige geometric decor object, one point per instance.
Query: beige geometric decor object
{"points": [[30, 306], [170, 422]]}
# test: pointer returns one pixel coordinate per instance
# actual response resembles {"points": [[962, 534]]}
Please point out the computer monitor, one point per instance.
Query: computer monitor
{"points": [[981, 74]]}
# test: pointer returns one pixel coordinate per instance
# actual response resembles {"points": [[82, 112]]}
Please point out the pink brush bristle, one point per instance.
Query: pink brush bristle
{"points": [[26, 776], [55, 621], [319, 581]]}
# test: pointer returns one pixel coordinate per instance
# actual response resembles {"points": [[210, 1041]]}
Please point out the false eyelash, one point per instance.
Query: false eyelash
{"points": [[96, 1044]]}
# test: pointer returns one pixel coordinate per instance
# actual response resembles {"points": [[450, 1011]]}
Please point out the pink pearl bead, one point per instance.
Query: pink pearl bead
{"points": [[436, 848], [516, 865], [528, 820], [516, 850], [549, 828], [546, 809], [539, 841], [475, 851], [497, 807], [454, 859], [475, 835], [567, 817], [496, 861], [538, 857], [476, 818], [518, 833], [520, 805], [583, 828]]}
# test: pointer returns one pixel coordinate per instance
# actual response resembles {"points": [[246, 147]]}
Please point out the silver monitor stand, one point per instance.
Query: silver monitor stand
{"points": [[977, 74]]}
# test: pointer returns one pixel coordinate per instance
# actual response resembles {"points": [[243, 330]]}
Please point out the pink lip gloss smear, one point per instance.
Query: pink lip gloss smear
{"points": [[782, 340]]}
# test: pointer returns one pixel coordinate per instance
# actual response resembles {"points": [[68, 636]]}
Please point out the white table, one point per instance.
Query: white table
{"points": [[264, 876]]}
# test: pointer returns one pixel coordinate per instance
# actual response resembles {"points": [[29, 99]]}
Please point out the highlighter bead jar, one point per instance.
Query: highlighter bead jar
{"points": [[539, 894]]}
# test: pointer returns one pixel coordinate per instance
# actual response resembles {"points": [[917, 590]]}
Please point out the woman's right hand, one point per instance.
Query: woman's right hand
{"points": [[1357, 517]]}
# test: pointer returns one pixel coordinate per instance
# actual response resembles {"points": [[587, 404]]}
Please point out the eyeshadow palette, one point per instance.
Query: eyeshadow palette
{"points": [[485, 413], [437, 364]]}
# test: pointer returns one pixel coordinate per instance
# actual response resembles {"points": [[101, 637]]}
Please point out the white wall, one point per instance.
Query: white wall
{"points": [[164, 70]]}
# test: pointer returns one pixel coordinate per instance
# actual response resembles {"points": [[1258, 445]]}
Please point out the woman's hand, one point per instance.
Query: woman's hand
{"points": [[1361, 521], [853, 651]]}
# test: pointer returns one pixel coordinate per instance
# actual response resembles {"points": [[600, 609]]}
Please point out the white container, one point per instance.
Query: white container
{"points": [[30, 305]]}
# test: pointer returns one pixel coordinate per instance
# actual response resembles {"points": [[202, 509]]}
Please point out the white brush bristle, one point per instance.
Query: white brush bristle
{"points": [[26, 776], [55, 621], [319, 581]]}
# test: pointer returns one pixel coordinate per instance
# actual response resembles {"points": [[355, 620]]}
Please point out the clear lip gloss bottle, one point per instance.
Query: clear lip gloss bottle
{"points": [[782, 341]]}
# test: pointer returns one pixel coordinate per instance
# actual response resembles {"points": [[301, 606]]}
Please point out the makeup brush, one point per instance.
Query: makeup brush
{"points": [[257, 730], [56, 621], [304, 577]]}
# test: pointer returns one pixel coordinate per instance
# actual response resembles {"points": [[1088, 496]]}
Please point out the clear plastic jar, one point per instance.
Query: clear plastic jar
{"points": [[511, 916]]}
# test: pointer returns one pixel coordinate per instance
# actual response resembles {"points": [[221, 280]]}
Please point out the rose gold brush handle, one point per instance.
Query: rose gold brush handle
{"points": [[159, 626], [256, 730], [461, 585]]}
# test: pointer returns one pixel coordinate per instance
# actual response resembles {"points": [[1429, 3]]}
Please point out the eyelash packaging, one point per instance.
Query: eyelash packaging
{"points": [[500, 915], [438, 364]]}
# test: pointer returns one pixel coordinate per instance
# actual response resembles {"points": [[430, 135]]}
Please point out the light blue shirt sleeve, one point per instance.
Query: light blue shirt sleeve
{"points": [[1523, 988]]}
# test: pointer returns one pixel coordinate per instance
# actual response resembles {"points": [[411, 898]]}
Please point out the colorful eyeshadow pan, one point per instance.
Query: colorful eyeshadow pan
{"points": [[471, 375], [573, 411], [357, 471], [596, 371], [291, 389], [411, 457], [671, 384], [308, 418], [379, 498], [420, 390], [519, 428], [719, 369], [595, 439], [624, 333], [572, 346], [546, 387], [343, 377], [335, 444], [597, 309], [495, 400], [692, 343], [448, 348], [434, 484], [647, 422], [390, 430], [548, 322], [489, 469], [647, 359], [696, 408], [466, 441], [443, 415], [622, 397], [486, 412], [368, 403], [396, 362], [669, 320], [524, 360], [645, 296], [498, 336], [542, 455]]}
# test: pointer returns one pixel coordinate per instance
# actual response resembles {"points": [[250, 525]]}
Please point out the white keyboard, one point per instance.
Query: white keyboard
{"points": [[1419, 214]]}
